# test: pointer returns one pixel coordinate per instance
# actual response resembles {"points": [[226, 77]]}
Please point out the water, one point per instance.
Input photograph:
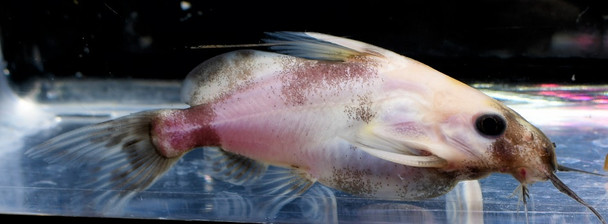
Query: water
{"points": [[574, 117]]}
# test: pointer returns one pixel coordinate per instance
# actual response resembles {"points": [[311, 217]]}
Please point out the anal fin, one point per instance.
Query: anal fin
{"points": [[268, 188], [233, 168], [278, 187]]}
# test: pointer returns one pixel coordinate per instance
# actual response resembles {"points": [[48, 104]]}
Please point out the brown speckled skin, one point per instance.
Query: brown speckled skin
{"points": [[303, 94], [308, 115]]}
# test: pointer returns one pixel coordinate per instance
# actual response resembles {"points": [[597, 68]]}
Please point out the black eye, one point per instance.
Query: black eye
{"points": [[490, 125]]}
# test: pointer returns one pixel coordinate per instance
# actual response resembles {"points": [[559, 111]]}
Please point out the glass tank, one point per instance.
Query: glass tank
{"points": [[69, 64]]}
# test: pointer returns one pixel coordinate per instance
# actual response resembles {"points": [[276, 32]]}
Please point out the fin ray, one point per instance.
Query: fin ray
{"points": [[273, 187], [373, 140], [319, 205], [278, 187], [307, 45], [408, 160], [232, 168], [119, 154]]}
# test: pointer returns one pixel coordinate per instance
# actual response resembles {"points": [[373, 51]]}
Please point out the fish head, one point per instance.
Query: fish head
{"points": [[525, 152], [465, 130], [422, 118], [490, 137], [487, 136], [469, 139], [518, 147]]}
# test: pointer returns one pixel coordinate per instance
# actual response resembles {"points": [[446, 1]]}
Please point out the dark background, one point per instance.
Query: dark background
{"points": [[504, 41]]}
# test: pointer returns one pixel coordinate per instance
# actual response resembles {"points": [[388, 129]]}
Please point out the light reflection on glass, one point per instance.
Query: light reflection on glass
{"points": [[597, 94], [554, 104]]}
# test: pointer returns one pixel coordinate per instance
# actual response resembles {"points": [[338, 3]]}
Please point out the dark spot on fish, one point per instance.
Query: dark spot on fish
{"points": [[226, 70], [130, 143], [503, 151], [362, 112], [354, 181], [472, 173], [115, 140], [303, 78], [429, 183]]}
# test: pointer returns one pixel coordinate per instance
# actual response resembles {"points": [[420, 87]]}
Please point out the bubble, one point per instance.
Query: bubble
{"points": [[185, 5]]}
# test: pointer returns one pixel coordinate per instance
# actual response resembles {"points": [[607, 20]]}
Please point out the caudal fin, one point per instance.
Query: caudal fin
{"points": [[120, 154]]}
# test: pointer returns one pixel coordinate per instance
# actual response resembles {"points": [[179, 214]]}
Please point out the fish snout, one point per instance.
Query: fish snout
{"points": [[535, 164], [529, 175], [528, 162]]}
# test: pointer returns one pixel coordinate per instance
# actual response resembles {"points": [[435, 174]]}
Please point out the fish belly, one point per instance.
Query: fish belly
{"points": [[350, 169]]}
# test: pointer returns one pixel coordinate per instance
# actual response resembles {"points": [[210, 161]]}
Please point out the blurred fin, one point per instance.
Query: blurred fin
{"points": [[317, 46], [271, 188], [119, 154], [278, 187], [319, 205], [232, 168]]}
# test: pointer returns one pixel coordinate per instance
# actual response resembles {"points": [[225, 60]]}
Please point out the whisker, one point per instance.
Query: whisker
{"points": [[525, 196], [568, 169], [566, 190]]}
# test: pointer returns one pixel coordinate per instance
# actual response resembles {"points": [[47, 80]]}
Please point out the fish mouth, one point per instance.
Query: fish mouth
{"points": [[566, 190]]}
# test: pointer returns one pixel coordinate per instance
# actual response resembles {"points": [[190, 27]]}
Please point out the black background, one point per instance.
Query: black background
{"points": [[474, 41], [502, 41]]}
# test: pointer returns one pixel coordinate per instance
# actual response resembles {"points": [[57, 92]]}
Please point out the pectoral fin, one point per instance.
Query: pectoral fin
{"points": [[408, 160], [374, 140]]}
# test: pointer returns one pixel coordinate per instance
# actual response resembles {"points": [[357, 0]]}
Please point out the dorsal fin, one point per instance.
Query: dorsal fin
{"points": [[319, 46]]}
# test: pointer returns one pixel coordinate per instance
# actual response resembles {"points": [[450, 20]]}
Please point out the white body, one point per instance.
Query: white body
{"points": [[320, 116]]}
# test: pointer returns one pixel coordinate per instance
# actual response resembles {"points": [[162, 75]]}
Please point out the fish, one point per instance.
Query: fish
{"points": [[331, 110]]}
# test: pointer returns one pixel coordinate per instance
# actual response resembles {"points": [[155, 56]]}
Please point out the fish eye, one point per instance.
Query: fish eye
{"points": [[491, 125]]}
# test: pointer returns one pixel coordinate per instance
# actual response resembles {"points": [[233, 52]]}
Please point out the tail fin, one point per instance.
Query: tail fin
{"points": [[120, 153]]}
